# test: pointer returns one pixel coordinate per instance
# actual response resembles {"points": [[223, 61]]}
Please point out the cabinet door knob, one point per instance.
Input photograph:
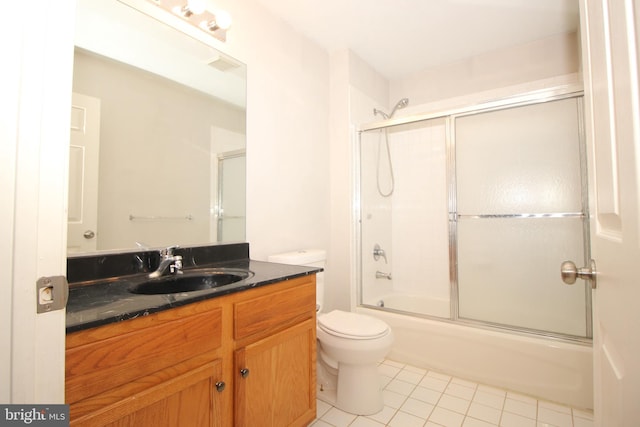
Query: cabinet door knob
{"points": [[244, 372], [220, 385]]}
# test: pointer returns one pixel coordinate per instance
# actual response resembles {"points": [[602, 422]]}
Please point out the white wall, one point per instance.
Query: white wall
{"points": [[541, 59], [288, 199], [355, 87], [338, 268]]}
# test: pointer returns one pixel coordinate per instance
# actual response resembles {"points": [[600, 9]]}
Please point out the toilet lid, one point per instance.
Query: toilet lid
{"points": [[352, 325]]}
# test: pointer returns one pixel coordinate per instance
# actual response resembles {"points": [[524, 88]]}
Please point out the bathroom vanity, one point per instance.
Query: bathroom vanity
{"points": [[242, 354]]}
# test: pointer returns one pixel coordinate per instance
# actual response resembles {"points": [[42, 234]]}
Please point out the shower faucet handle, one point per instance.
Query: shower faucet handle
{"points": [[379, 252]]}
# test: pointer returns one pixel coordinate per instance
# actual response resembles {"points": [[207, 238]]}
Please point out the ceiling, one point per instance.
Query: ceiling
{"points": [[401, 37]]}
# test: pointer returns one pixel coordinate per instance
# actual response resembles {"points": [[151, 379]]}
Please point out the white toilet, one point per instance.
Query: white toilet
{"points": [[350, 345]]}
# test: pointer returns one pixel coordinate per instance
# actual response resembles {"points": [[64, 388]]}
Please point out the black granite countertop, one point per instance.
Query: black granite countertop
{"points": [[109, 300]]}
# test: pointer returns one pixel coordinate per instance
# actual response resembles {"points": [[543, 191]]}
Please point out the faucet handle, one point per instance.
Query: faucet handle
{"points": [[176, 267], [379, 252], [168, 251]]}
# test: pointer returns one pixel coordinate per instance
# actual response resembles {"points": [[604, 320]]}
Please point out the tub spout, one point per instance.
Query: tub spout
{"points": [[381, 275]]}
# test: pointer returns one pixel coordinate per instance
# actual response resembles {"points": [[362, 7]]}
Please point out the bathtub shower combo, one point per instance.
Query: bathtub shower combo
{"points": [[464, 218]]}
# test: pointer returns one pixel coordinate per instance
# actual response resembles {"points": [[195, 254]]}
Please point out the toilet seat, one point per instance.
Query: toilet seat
{"points": [[355, 326]]}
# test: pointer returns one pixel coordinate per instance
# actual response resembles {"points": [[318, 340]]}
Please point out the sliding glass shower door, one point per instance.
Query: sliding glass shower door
{"points": [[519, 211], [404, 220], [467, 216]]}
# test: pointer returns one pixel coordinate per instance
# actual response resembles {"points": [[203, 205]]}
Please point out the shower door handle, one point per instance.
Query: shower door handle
{"points": [[569, 273]]}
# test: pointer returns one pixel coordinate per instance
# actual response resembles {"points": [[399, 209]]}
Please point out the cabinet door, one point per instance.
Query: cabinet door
{"points": [[278, 387], [191, 399]]}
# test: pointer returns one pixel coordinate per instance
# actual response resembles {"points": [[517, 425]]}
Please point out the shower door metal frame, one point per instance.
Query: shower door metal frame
{"points": [[454, 216], [537, 97], [220, 216]]}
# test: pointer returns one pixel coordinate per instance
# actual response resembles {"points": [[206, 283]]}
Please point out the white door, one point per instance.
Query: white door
{"points": [[610, 41], [84, 150]]}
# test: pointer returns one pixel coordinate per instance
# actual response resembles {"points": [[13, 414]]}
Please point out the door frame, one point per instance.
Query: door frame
{"points": [[36, 105]]}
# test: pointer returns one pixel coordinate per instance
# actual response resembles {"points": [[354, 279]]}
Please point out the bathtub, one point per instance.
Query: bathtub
{"points": [[540, 367]]}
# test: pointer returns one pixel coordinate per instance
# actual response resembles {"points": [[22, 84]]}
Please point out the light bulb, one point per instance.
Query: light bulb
{"points": [[223, 19], [197, 6]]}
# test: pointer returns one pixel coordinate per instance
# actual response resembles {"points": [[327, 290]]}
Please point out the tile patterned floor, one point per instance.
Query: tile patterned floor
{"points": [[415, 397]]}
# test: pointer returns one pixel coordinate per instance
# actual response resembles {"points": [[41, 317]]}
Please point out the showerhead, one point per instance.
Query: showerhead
{"points": [[399, 105]]}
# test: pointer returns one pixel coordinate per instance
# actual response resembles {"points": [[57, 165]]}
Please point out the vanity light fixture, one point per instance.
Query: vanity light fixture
{"points": [[183, 11], [197, 6], [193, 7], [195, 13], [221, 21]]}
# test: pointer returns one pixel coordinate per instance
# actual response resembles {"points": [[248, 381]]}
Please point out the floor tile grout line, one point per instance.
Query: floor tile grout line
{"points": [[415, 386], [504, 403], [396, 410], [475, 390]]}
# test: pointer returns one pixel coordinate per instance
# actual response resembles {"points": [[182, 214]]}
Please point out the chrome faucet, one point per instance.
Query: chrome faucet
{"points": [[379, 252], [381, 275], [168, 259]]}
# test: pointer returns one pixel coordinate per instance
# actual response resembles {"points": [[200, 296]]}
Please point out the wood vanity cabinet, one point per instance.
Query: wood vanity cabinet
{"points": [[275, 358], [244, 359]]}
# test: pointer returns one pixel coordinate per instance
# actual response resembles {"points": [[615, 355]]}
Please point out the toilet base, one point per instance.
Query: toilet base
{"points": [[356, 389], [359, 389]]}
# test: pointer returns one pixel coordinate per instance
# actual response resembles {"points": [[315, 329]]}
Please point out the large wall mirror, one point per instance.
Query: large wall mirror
{"points": [[157, 150]]}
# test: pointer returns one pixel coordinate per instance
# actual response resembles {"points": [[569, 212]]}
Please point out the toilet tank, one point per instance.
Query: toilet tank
{"points": [[307, 258]]}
